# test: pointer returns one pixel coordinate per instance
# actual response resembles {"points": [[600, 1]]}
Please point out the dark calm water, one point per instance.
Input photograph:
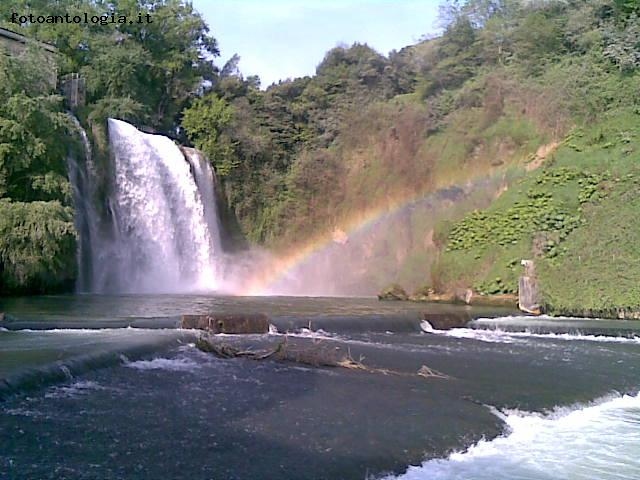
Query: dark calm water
{"points": [[105, 387]]}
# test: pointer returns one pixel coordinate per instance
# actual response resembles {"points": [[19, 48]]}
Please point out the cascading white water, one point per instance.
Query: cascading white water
{"points": [[157, 230], [82, 175], [162, 239], [204, 176]]}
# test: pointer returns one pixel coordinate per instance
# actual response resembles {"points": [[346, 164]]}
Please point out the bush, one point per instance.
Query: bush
{"points": [[37, 247]]}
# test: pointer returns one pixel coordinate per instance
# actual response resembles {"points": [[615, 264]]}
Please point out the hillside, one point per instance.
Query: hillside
{"points": [[529, 109], [542, 96]]}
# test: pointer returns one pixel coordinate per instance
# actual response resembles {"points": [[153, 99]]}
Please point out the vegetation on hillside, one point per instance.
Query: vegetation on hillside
{"points": [[37, 237], [504, 78], [574, 216]]}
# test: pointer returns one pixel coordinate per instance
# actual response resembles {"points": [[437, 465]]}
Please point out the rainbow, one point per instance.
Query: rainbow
{"points": [[258, 284]]}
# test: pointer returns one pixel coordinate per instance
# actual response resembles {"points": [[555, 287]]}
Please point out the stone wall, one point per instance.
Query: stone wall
{"points": [[14, 44]]}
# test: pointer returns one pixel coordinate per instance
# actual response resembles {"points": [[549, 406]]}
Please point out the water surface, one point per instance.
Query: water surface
{"points": [[106, 387]]}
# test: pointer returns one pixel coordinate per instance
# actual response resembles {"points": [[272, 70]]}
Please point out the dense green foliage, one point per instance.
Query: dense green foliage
{"points": [[37, 246], [575, 217], [37, 236], [32, 159], [143, 72], [505, 76]]}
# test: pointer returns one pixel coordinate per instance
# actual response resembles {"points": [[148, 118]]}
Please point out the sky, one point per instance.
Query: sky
{"points": [[280, 39]]}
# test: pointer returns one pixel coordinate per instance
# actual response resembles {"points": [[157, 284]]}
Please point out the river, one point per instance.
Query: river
{"points": [[106, 387]]}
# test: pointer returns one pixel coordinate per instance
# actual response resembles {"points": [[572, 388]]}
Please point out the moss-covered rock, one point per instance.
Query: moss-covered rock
{"points": [[502, 300], [422, 294], [393, 292]]}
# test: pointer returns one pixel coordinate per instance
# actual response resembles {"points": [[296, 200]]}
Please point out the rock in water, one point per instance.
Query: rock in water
{"points": [[447, 321], [230, 323], [393, 292], [5, 318]]}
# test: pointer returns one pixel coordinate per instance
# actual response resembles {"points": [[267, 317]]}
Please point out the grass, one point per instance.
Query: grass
{"points": [[599, 269], [577, 216]]}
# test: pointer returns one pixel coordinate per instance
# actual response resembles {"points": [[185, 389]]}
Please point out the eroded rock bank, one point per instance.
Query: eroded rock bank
{"points": [[460, 296]]}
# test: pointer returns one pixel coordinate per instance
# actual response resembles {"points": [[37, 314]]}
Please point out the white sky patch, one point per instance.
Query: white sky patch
{"points": [[285, 39]]}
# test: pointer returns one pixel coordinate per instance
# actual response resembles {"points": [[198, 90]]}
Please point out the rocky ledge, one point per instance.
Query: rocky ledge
{"points": [[227, 323], [461, 296]]}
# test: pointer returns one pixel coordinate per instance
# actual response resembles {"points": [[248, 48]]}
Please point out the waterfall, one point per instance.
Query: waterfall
{"points": [[82, 176], [205, 180], [156, 229]]}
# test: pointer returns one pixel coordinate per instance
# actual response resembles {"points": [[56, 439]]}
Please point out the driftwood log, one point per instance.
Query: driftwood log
{"points": [[316, 354]]}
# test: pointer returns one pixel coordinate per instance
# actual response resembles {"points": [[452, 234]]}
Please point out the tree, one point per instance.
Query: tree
{"points": [[37, 247], [37, 236], [32, 157], [623, 44], [205, 123], [161, 65]]}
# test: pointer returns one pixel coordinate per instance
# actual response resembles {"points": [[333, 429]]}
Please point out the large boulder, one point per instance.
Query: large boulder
{"points": [[227, 323], [448, 320], [423, 294], [393, 292], [428, 294]]}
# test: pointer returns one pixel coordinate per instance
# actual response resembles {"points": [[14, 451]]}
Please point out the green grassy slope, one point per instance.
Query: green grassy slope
{"points": [[577, 216]]}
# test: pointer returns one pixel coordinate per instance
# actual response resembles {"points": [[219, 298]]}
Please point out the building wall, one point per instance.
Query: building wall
{"points": [[14, 44]]}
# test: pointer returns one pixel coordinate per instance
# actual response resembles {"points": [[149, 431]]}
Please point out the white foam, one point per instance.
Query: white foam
{"points": [[91, 331], [600, 441], [76, 389], [491, 336], [318, 334], [501, 336], [426, 327], [171, 364]]}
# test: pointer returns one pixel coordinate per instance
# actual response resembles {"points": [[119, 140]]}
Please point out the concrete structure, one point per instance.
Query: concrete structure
{"points": [[15, 44], [528, 295]]}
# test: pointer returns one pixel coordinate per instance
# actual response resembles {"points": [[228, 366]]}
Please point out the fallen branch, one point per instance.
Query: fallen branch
{"points": [[320, 354], [427, 372]]}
